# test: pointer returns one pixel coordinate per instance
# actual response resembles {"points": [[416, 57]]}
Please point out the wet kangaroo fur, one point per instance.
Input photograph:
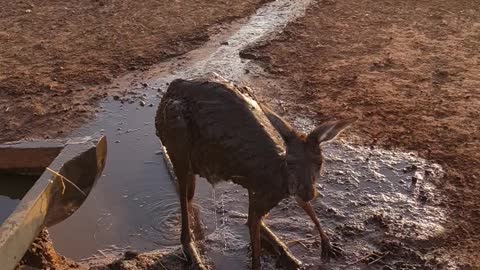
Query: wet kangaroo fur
{"points": [[211, 128]]}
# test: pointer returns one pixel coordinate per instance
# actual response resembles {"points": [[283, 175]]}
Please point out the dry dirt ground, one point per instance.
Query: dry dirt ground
{"points": [[52, 53], [409, 69]]}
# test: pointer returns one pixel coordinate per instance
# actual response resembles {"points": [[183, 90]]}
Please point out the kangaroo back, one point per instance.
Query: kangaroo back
{"points": [[222, 133]]}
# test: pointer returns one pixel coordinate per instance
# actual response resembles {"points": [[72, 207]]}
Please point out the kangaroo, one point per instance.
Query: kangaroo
{"points": [[210, 128]]}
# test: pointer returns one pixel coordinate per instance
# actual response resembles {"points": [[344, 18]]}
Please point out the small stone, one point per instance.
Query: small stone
{"points": [[411, 168], [414, 181], [150, 105], [423, 196], [332, 210], [117, 141], [116, 97], [419, 176], [130, 255], [142, 103], [224, 43], [145, 84], [416, 177]]}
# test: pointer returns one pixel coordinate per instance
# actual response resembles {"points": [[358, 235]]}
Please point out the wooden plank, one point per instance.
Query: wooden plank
{"points": [[29, 155]]}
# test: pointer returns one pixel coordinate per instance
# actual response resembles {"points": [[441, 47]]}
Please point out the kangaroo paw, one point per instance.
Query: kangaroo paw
{"points": [[193, 256], [331, 251]]}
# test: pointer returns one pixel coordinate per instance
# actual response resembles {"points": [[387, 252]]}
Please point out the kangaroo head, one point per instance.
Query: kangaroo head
{"points": [[304, 154]]}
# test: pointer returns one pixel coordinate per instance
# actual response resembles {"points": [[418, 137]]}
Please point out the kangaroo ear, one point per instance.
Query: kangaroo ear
{"points": [[329, 130], [286, 131]]}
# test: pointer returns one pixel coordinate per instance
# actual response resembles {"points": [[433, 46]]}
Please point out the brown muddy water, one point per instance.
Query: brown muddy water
{"points": [[12, 189], [373, 200]]}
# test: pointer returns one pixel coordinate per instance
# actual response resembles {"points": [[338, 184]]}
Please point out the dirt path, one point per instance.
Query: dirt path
{"points": [[409, 69], [54, 52]]}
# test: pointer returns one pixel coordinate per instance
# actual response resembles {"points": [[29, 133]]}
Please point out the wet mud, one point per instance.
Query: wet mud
{"points": [[373, 202]]}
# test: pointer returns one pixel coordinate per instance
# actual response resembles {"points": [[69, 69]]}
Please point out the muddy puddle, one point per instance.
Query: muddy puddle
{"points": [[373, 200], [12, 189]]}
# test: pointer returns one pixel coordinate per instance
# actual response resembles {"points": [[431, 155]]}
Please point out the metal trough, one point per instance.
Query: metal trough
{"points": [[53, 197]]}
